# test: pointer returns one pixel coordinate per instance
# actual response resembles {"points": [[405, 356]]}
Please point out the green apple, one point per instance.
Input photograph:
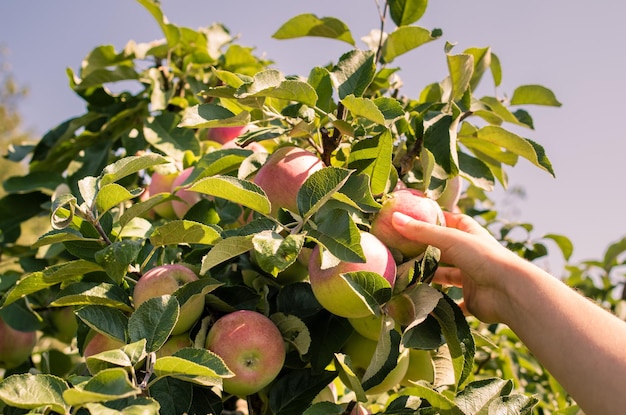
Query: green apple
{"points": [[413, 203], [99, 343], [15, 346], [174, 344], [251, 346], [421, 367], [64, 323], [334, 293], [165, 280], [361, 351], [283, 174]]}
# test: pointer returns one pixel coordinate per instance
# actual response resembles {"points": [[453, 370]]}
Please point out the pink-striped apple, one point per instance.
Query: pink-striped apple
{"points": [[413, 203], [334, 293], [164, 280], [283, 174], [100, 343], [15, 346], [225, 134], [251, 346], [188, 198], [162, 183]]}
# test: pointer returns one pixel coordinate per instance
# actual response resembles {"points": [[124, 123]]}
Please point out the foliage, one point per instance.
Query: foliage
{"points": [[90, 173]]}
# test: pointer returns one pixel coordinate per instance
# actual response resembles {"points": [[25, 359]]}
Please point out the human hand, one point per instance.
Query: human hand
{"points": [[480, 264]]}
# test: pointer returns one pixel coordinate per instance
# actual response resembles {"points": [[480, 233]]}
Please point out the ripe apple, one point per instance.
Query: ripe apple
{"points": [[189, 198], [174, 344], [413, 203], [251, 346], [162, 183], [450, 196], [283, 174], [15, 346], [334, 293], [361, 351], [225, 134], [100, 343], [164, 280], [421, 367]]}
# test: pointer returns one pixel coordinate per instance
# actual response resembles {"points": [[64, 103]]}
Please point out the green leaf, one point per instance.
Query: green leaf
{"points": [[129, 406], [338, 233], [33, 181], [294, 331], [99, 77], [199, 366], [310, 25], [477, 396], [272, 84], [212, 115], [236, 190], [117, 257], [357, 192], [110, 196], [319, 188], [564, 244], [373, 157], [482, 62], [89, 293], [224, 250], [440, 140], [534, 95], [496, 69], [476, 171], [523, 147], [405, 12], [69, 270], [129, 165], [274, 253], [293, 392], [320, 80], [461, 69], [28, 391], [106, 320], [221, 161], [439, 402], [405, 39], [363, 107], [348, 377], [153, 321], [385, 358], [370, 286], [354, 72], [164, 134], [107, 385], [184, 232]]}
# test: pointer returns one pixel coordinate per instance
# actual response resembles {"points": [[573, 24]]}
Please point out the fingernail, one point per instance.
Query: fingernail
{"points": [[400, 218]]}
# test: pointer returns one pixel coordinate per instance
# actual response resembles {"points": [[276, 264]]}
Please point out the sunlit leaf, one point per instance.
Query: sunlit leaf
{"points": [[310, 25]]}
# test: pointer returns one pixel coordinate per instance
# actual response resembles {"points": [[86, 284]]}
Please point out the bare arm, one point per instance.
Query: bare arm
{"points": [[581, 344]]}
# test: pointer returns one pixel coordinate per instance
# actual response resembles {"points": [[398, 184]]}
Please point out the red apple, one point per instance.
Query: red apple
{"points": [[225, 134], [189, 198], [164, 280], [361, 351], [334, 293], [413, 203], [15, 346], [283, 174], [251, 346], [162, 183], [100, 343]]}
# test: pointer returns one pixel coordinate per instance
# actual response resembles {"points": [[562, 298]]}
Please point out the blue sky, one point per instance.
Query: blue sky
{"points": [[574, 48]]}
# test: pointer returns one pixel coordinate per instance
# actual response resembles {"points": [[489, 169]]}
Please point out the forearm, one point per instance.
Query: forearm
{"points": [[581, 344]]}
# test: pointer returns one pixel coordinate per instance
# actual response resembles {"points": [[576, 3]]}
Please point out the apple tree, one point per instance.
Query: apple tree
{"points": [[193, 151]]}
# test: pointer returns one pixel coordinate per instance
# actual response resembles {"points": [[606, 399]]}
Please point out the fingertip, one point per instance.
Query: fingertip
{"points": [[400, 219]]}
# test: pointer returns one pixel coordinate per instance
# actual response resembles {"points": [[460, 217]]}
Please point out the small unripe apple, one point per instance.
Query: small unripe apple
{"points": [[64, 323], [334, 293], [162, 183], [174, 344], [251, 346], [283, 174], [225, 134], [15, 346], [413, 203], [164, 280], [450, 196], [361, 351], [370, 326], [188, 197], [100, 343], [421, 367]]}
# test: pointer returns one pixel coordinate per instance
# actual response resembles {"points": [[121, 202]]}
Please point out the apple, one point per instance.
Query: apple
{"points": [[15, 346], [421, 367], [225, 134], [174, 344], [164, 280], [100, 343], [283, 174], [251, 346], [450, 196], [361, 351], [413, 203], [368, 327], [334, 293], [64, 323], [188, 197], [162, 183]]}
